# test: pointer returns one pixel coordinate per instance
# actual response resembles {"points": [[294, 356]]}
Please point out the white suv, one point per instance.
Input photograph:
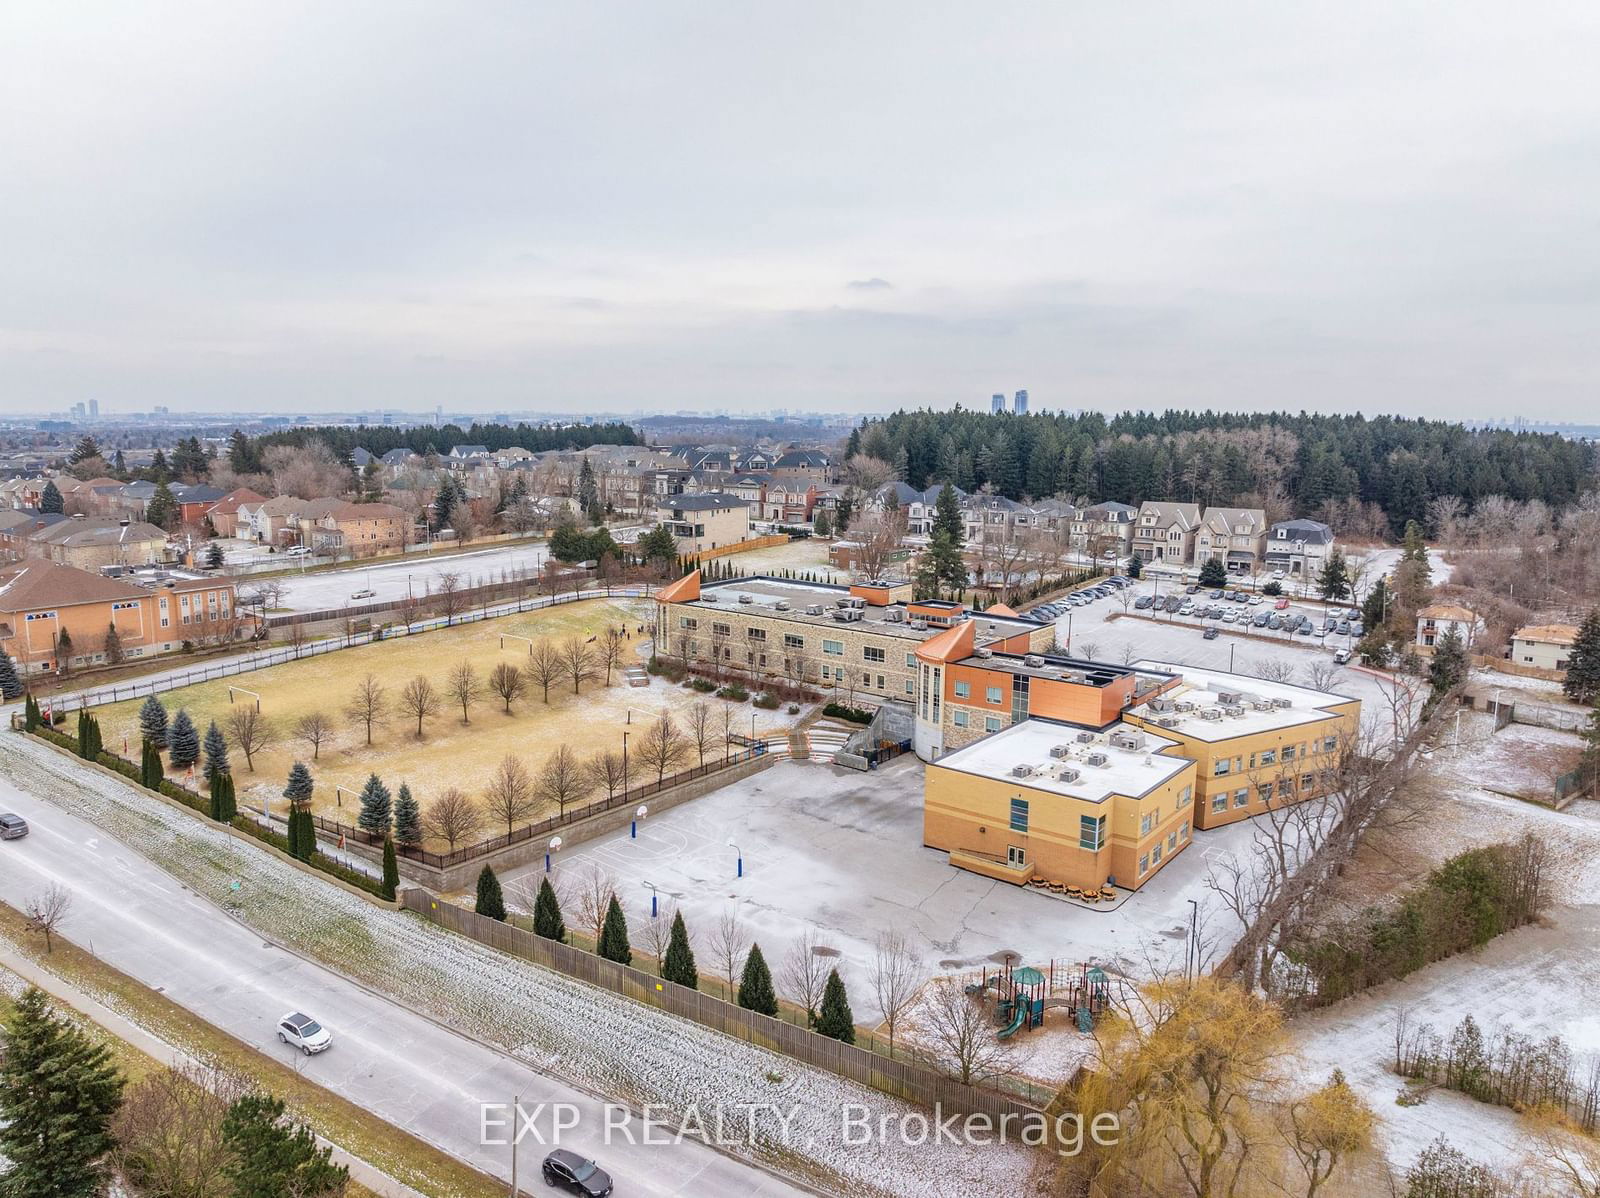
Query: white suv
{"points": [[304, 1033]]}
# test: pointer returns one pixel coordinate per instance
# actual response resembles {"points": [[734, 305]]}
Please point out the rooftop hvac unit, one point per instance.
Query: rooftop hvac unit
{"points": [[1068, 773], [895, 615], [747, 598], [1281, 703], [1033, 659], [984, 652], [1235, 712], [781, 605], [1060, 750], [1262, 705], [1128, 738], [1184, 706], [1229, 697], [1168, 721], [1086, 738], [709, 596], [1097, 758], [1021, 771], [813, 609], [1211, 713], [920, 625], [1160, 704]]}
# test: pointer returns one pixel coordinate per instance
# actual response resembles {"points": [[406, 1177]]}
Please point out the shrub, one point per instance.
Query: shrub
{"points": [[703, 685], [794, 709], [854, 715], [733, 692], [765, 701]]}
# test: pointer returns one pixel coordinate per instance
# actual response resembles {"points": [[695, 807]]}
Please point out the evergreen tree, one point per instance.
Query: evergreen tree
{"points": [[1375, 607], [658, 545], [1135, 567], [302, 833], [86, 448], [63, 650], [32, 717], [376, 812], [444, 502], [407, 819], [162, 510], [1213, 573], [613, 944], [11, 687], [183, 742], [50, 501], [547, 921], [268, 1155], [1334, 582], [1583, 663], [119, 465], [678, 964], [391, 869], [58, 1093], [215, 557], [153, 772], [244, 455], [153, 721], [1449, 666], [216, 753], [83, 732], [755, 985], [943, 567], [589, 493], [834, 1019], [223, 808], [491, 901]]}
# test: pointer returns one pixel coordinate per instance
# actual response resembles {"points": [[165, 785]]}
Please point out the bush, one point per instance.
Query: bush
{"points": [[1272, 588], [703, 685], [794, 709], [765, 701], [854, 715], [734, 692]]}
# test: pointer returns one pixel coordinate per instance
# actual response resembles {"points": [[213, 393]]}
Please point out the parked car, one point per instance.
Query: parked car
{"points": [[363, 594], [1343, 629], [304, 1033], [1218, 593], [1143, 601], [1275, 623], [12, 827], [576, 1174], [1305, 629], [1260, 620], [1278, 574], [1281, 604], [1340, 656], [1254, 601], [1211, 634], [1353, 614], [297, 551], [1191, 589], [1228, 617], [1358, 630]]}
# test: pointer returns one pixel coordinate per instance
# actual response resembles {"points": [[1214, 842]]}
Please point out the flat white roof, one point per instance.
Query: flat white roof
{"points": [[1262, 708], [761, 595], [1127, 772]]}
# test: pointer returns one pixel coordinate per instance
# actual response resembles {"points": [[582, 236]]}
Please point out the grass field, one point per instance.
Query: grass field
{"points": [[449, 753]]}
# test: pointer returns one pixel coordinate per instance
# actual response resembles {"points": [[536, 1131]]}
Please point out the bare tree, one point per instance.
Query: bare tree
{"points": [[463, 687], [726, 733], [1273, 669], [563, 779], [544, 666], [805, 973], [250, 731], [729, 944], [595, 889], [168, 1130], [962, 1035], [1087, 650], [450, 599], [369, 706], [577, 661], [702, 728], [608, 652], [897, 975], [609, 770], [452, 817], [47, 911], [657, 934], [877, 539], [509, 682], [419, 701], [1321, 675], [662, 748], [509, 796], [296, 639], [314, 728]]}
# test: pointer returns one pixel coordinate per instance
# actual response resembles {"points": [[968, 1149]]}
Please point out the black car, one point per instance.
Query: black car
{"points": [[576, 1174], [12, 827]]}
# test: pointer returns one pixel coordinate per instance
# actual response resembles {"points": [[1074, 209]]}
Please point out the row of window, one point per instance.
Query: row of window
{"points": [[1282, 788], [991, 694], [1150, 860], [991, 723], [1223, 766]]}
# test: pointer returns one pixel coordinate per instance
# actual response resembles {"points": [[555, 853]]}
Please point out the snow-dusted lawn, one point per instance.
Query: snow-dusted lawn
{"points": [[1521, 760], [564, 1027]]}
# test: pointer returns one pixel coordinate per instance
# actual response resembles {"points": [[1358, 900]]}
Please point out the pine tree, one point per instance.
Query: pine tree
{"points": [[223, 808], [10, 681], [1213, 573], [215, 557], [491, 901], [834, 1019], [32, 717], [216, 753], [89, 740], [1135, 567], [183, 742], [63, 651], [268, 1156], [50, 501], [755, 986], [547, 921], [153, 772], [1583, 663], [58, 1093], [162, 510], [1334, 581], [407, 819], [153, 721], [86, 448], [613, 944], [376, 810], [83, 732], [1448, 669], [302, 834], [678, 964], [391, 869], [589, 493]]}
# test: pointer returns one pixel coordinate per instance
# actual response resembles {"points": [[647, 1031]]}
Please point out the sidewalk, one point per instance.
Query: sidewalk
{"points": [[131, 1033]]}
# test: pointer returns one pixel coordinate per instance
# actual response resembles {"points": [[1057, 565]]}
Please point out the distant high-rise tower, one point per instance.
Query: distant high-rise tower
{"points": [[94, 409], [438, 415], [1020, 404], [997, 403]]}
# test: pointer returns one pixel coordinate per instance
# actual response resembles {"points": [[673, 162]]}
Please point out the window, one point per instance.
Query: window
{"points": [[911, 687], [991, 723], [790, 641], [1222, 767], [1144, 864], [1016, 855], [1146, 822], [1172, 841], [1219, 802], [963, 690], [720, 630], [1269, 756], [756, 634], [1185, 795], [1288, 752], [959, 719], [1307, 781], [1265, 790], [911, 661], [1155, 854], [992, 694], [1330, 744], [872, 653], [1091, 832], [833, 648], [1183, 830], [1019, 815]]}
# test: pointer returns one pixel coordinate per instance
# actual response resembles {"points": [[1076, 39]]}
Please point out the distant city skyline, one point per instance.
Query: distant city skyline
{"points": [[280, 207]]}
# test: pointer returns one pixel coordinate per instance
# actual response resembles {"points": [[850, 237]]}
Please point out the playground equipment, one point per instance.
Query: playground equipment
{"points": [[1023, 994]]}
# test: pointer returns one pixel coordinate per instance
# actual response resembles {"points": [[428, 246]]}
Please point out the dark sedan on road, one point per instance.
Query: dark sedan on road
{"points": [[576, 1174]]}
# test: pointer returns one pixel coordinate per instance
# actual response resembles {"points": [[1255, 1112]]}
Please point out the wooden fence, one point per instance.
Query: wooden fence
{"points": [[903, 1079]]}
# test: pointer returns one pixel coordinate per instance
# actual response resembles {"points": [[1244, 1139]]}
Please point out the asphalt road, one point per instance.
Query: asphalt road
{"points": [[403, 1067]]}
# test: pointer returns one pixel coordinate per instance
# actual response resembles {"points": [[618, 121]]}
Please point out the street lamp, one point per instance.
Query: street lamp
{"points": [[625, 766], [633, 825], [740, 853], [1232, 645], [650, 886], [554, 847]]}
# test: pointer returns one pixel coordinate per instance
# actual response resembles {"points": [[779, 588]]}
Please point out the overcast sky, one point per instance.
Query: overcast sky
{"points": [[1374, 204]]}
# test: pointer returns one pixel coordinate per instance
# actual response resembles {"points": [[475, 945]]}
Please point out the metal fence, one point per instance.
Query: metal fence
{"points": [[545, 826], [261, 659], [910, 1080]]}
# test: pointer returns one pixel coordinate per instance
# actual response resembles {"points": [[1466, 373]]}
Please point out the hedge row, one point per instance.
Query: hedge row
{"points": [[855, 715]]}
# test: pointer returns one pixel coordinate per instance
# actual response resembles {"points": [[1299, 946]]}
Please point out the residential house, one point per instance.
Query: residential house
{"points": [[1438, 620], [1300, 548], [397, 460], [921, 508], [357, 529], [752, 488], [990, 519], [1165, 532], [224, 513], [1544, 646], [461, 453], [1235, 536], [802, 465], [702, 522], [93, 542], [272, 521], [789, 502], [1104, 530], [195, 500]]}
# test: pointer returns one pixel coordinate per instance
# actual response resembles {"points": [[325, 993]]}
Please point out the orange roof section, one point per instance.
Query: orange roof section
{"points": [[1000, 609], [950, 645], [685, 590]]}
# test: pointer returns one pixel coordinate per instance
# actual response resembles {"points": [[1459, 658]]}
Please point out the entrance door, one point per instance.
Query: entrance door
{"points": [[1016, 855]]}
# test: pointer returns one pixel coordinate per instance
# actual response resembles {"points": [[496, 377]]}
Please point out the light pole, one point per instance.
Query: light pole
{"points": [[1232, 645], [740, 853], [633, 825], [625, 765], [553, 848], [1194, 946], [650, 886]]}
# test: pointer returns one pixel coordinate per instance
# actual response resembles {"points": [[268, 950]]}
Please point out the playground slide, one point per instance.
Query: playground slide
{"points": [[1016, 1023]]}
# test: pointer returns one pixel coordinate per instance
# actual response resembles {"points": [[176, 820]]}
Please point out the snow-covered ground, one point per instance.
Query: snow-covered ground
{"points": [[601, 1041], [418, 573]]}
